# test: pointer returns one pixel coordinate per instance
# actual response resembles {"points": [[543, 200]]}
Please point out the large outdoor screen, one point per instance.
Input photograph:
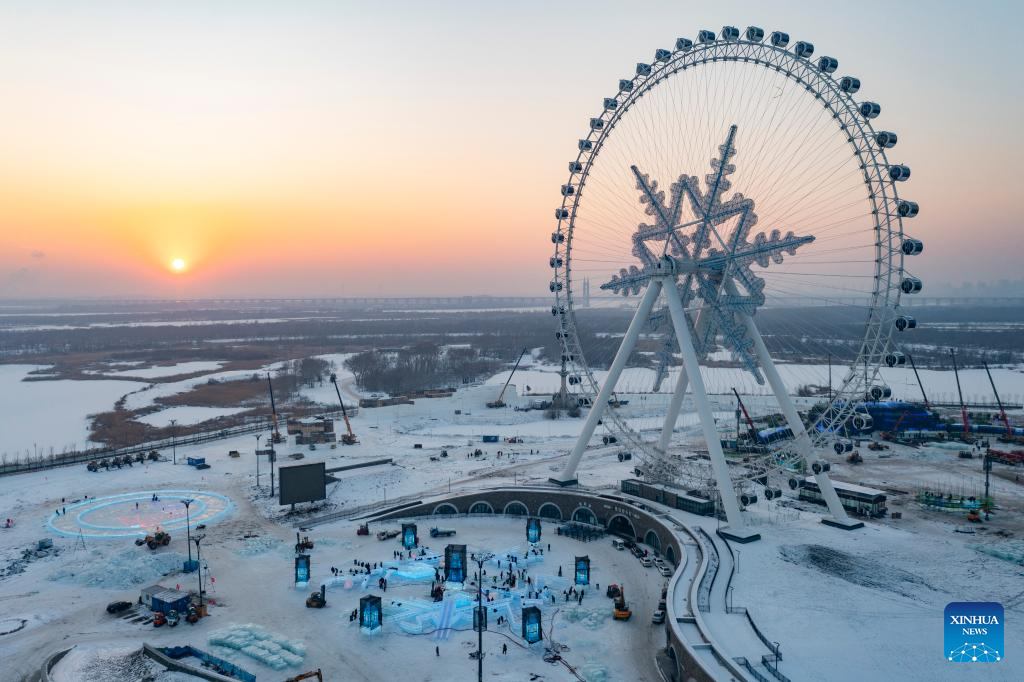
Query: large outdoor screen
{"points": [[302, 483]]}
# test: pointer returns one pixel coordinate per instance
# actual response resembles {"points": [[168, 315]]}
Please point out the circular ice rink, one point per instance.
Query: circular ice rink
{"points": [[137, 514]]}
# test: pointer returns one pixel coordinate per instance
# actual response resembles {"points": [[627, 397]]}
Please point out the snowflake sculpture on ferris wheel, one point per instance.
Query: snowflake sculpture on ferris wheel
{"points": [[709, 265]]}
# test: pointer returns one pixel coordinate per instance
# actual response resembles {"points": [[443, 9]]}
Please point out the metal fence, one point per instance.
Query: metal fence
{"points": [[59, 459]]}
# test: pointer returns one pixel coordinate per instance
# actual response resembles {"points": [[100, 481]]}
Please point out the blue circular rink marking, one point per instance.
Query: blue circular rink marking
{"points": [[135, 514]]}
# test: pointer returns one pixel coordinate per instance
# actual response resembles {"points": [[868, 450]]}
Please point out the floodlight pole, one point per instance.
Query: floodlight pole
{"points": [[987, 465], [199, 566], [258, 436], [480, 559], [174, 442], [188, 532], [273, 458]]}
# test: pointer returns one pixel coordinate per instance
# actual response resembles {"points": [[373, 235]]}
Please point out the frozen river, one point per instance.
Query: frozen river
{"points": [[44, 414]]}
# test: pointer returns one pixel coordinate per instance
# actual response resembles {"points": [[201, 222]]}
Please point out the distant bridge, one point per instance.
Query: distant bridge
{"points": [[468, 302]]}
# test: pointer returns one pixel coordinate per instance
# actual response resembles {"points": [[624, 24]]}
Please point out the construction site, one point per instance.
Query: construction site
{"points": [[165, 554], [302, 378]]}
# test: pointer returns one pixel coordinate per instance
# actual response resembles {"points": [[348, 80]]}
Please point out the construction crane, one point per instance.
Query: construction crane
{"points": [[999, 402], [346, 438], [500, 402], [960, 393], [307, 675], [275, 434], [746, 415], [919, 384]]}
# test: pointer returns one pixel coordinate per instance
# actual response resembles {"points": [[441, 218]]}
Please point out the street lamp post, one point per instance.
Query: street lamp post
{"points": [[273, 458], [480, 559], [258, 436], [188, 530], [174, 442], [199, 565], [987, 465]]}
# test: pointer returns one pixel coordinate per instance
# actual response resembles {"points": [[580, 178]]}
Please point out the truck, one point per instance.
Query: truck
{"points": [[441, 532], [388, 534]]}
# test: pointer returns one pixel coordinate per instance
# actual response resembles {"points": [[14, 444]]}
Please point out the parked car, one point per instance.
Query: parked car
{"points": [[658, 618], [646, 562], [665, 570], [118, 606]]}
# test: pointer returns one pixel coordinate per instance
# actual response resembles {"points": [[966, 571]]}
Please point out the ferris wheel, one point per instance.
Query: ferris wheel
{"points": [[737, 189]]}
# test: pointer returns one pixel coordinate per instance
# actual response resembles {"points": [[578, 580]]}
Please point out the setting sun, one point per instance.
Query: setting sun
{"points": [[178, 265]]}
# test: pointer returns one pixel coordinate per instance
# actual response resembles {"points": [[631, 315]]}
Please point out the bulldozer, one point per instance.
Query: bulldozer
{"points": [[307, 676], [303, 543], [317, 600], [854, 457], [364, 529], [621, 610], [158, 539]]}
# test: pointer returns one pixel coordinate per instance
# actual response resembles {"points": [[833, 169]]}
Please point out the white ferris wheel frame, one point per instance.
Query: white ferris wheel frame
{"points": [[853, 121]]}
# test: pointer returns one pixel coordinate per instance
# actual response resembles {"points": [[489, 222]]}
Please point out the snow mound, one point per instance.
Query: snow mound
{"points": [[592, 619], [272, 650], [121, 571], [1012, 551], [112, 662], [593, 672], [255, 546], [866, 570]]}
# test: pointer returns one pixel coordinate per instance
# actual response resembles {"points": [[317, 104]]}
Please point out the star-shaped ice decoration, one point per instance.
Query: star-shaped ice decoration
{"points": [[715, 269]]}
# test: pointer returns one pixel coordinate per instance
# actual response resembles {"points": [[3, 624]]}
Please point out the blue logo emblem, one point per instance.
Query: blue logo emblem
{"points": [[973, 632]]}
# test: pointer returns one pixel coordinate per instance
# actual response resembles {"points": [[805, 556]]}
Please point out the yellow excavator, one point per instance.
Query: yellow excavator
{"points": [[621, 609]]}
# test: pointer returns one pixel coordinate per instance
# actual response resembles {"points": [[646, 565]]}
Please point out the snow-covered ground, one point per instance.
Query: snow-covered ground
{"points": [[158, 371], [880, 621], [187, 414]]}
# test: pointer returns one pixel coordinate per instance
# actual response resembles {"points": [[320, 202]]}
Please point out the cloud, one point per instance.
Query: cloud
{"points": [[37, 254]]}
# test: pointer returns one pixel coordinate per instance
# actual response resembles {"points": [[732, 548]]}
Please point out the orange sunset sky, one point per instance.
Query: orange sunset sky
{"points": [[409, 148]]}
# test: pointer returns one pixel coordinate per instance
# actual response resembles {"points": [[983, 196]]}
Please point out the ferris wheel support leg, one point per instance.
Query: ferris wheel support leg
{"points": [[730, 503], [796, 425], [674, 407], [643, 312]]}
